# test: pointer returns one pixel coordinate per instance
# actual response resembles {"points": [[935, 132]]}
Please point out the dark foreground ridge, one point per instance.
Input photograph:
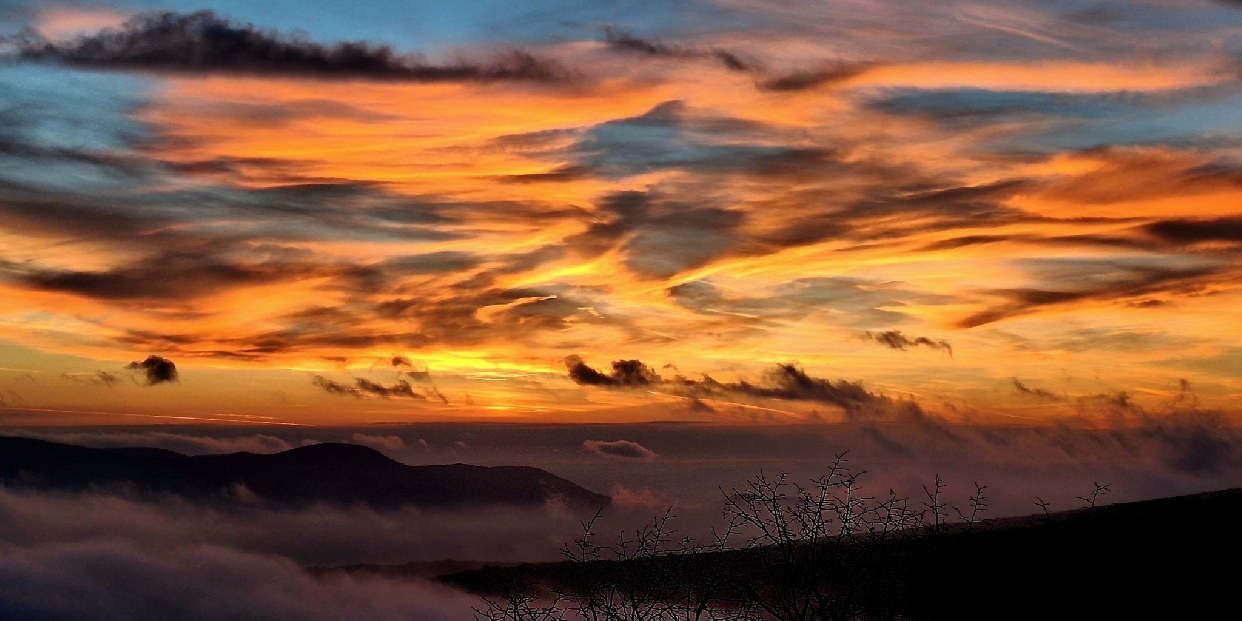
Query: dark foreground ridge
{"points": [[1172, 558], [326, 473]]}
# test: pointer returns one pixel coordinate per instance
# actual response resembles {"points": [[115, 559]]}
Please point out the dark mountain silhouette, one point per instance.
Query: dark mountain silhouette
{"points": [[330, 473], [1172, 558]]}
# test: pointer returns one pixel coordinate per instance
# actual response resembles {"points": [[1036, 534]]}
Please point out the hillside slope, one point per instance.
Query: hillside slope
{"points": [[1172, 558]]}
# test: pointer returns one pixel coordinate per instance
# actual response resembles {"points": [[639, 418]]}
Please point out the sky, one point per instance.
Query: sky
{"points": [[718, 211], [657, 248]]}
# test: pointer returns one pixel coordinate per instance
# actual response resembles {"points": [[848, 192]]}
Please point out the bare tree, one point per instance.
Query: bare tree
{"points": [[824, 551], [521, 600], [1092, 501], [649, 574], [978, 504], [1044, 506], [808, 542], [935, 504]]}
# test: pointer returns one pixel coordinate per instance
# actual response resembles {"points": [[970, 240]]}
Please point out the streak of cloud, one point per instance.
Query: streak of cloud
{"points": [[627, 373], [894, 339], [624, 41], [204, 42], [784, 381], [365, 387], [1038, 393], [98, 378]]}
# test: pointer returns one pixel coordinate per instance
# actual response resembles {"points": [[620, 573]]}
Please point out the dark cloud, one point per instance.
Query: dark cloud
{"points": [[434, 393], [626, 42], [622, 40], [401, 389], [416, 371], [1109, 282], [204, 42], [156, 369], [788, 381], [362, 387], [784, 381], [624, 449], [1038, 393], [814, 78], [625, 373], [334, 387], [178, 275], [1185, 231], [894, 339]]}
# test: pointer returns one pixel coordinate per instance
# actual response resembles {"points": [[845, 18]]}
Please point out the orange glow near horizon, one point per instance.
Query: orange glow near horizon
{"points": [[702, 216]]}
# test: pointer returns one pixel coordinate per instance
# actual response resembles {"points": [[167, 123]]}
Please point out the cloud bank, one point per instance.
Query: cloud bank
{"points": [[122, 581], [204, 42]]}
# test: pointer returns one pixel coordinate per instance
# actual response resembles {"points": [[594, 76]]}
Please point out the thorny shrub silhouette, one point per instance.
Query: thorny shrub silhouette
{"points": [[788, 552]]}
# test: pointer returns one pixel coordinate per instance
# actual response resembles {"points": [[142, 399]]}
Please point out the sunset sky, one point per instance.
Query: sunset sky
{"points": [[998, 211]]}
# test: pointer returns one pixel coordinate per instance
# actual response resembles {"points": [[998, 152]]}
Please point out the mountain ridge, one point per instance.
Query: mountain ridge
{"points": [[333, 473]]}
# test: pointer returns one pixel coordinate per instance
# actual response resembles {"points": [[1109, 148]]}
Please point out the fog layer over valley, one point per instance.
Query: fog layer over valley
{"points": [[651, 467], [143, 554]]}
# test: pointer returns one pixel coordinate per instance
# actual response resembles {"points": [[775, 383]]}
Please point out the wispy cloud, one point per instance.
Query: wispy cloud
{"points": [[763, 186]]}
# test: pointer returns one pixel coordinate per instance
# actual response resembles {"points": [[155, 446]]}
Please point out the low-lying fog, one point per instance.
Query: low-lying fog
{"points": [[108, 557]]}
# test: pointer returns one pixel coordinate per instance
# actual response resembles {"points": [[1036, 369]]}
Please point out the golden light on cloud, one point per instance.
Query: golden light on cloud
{"points": [[719, 202]]}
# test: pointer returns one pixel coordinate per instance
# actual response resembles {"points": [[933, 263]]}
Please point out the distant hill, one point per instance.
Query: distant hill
{"points": [[1172, 558], [328, 473]]}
